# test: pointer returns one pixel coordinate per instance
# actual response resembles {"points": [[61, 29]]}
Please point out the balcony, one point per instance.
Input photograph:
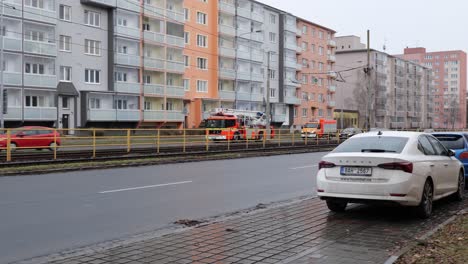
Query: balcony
{"points": [[290, 27], [12, 78], [243, 96], [331, 43], [331, 58], [128, 115], [228, 30], [257, 17], [381, 113], [244, 12], [153, 63], [40, 80], [291, 82], [175, 41], [41, 48], [243, 76], [227, 8], [331, 104], [298, 67], [400, 114], [227, 52], [125, 59], [175, 91], [227, 73], [256, 97], [290, 63], [153, 89], [299, 50], [126, 87], [154, 11], [291, 45], [257, 56], [175, 16], [332, 74], [154, 115], [155, 37], [415, 124], [39, 14], [127, 32], [175, 66], [40, 113], [10, 11], [279, 118], [100, 3], [102, 115], [9, 43], [397, 125], [298, 32], [132, 5], [14, 113], [257, 77], [332, 88], [177, 116], [292, 100], [227, 95]]}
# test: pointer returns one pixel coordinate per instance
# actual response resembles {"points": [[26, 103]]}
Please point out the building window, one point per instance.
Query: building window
{"points": [[304, 46], [202, 86], [34, 68], [122, 21], [201, 18], [272, 19], [272, 37], [120, 104], [186, 84], [92, 47], [35, 3], [320, 112], [304, 29], [202, 63], [305, 63], [186, 61], [95, 103], [65, 43], [146, 79], [34, 101], [65, 12], [122, 49], [272, 74], [201, 41], [320, 34], [273, 92], [187, 37], [304, 112], [312, 48], [120, 76], [320, 50], [92, 18], [92, 76], [147, 105], [186, 14], [295, 111], [65, 73], [34, 35], [65, 103]]}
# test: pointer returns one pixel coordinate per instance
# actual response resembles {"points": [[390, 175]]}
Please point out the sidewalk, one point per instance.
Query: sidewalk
{"points": [[302, 232]]}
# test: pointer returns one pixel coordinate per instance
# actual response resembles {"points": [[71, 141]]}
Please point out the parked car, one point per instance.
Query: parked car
{"points": [[34, 137], [406, 168], [458, 142], [349, 132]]}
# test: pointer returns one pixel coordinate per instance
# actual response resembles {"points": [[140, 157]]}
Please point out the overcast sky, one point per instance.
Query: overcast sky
{"points": [[434, 24]]}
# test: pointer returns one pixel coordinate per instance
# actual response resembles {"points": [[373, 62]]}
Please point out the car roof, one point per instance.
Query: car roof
{"points": [[33, 127], [389, 133]]}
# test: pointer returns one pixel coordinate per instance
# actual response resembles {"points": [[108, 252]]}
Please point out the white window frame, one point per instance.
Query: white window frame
{"points": [[92, 18], [65, 43], [65, 73], [202, 63], [65, 13], [92, 47], [203, 89], [202, 41], [202, 18], [94, 76]]}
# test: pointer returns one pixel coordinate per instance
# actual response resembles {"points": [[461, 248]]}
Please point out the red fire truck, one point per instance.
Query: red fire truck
{"points": [[233, 124], [319, 128]]}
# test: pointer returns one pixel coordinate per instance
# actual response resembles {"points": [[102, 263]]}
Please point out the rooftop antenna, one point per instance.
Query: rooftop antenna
{"points": [[385, 44]]}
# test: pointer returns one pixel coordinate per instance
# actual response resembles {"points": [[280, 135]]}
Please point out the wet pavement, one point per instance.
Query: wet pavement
{"points": [[300, 232]]}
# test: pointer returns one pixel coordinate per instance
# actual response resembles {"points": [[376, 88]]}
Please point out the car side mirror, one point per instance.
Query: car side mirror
{"points": [[451, 153], [20, 134]]}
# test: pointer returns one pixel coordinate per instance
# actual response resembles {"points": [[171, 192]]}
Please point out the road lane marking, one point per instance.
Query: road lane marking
{"points": [[303, 167], [145, 187]]}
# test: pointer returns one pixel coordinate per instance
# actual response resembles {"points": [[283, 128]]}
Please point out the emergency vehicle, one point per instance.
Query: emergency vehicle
{"points": [[319, 128], [233, 124]]}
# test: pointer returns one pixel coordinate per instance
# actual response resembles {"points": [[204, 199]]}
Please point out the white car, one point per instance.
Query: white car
{"points": [[408, 168]]}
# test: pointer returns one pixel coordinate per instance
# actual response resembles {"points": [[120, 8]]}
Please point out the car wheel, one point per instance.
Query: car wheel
{"points": [[336, 206], [458, 196], [424, 209], [13, 147], [236, 136], [52, 146]]}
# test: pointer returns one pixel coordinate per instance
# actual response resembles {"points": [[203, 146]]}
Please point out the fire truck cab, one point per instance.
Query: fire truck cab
{"points": [[319, 128]]}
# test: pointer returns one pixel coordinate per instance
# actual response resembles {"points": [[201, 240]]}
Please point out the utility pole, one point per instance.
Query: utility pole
{"points": [[268, 116], [2, 94], [368, 72]]}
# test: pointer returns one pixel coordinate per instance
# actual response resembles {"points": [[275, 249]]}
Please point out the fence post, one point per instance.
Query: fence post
{"points": [[128, 140], [184, 140], [94, 143], [279, 137], [206, 140], [246, 140], [158, 138], [55, 145], [316, 139], [328, 135], [265, 135], [305, 139], [229, 138], [8, 157], [293, 136], [338, 137]]}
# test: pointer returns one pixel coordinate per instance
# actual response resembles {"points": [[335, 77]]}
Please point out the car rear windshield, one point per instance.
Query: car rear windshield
{"points": [[373, 144], [451, 141]]}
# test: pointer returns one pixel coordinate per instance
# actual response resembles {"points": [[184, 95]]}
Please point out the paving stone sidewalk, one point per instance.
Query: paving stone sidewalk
{"points": [[302, 232]]}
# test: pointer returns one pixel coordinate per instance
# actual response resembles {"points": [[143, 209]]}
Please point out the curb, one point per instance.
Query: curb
{"points": [[393, 258]]}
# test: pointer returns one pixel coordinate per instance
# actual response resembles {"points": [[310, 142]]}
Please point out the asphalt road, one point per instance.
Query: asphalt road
{"points": [[44, 214]]}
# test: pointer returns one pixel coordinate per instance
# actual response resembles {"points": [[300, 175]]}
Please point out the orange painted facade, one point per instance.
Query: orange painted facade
{"points": [[197, 102]]}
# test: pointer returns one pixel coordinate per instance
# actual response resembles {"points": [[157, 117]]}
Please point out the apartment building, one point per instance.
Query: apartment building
{"points": [[450, 73], [315, 65], [400, 94], [157, 63]]}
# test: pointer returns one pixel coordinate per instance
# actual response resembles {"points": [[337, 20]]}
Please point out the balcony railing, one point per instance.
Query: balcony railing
{"points": [[243, 75], [177, 16], [128, 115], [331, 104], [14, 113], [257, 17], [257, 56], [154, 11], [153, 89], [244, 12], [256, 97], [125, 59], [107, 3], [40, 80], [154, 115], [290, 63], [42, 48], [257, 77], [332, 88], [292, 100], [278, 118], [102, 115], [9, 43], [227, 8], [155, 37], [131, 5], [14, 8], [39, 14], [175, 116], [290, 27], [12, 78], [227, 73], [154, 63], [40, 113], [331, 43], [175, 66], [126, 87], [228, 30], [227, 52], [331, 58], [227, 95], [175, 41], [332, 74], [243, 96], [175, 91], [128, 32], [290, 45]]}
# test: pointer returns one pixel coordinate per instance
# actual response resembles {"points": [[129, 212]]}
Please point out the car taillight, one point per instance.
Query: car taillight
{"points": [[404, 166], [325, 164], [464, 155]]}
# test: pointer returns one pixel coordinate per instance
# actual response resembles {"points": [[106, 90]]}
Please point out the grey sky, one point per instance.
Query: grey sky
{"points": [[434, 24]]}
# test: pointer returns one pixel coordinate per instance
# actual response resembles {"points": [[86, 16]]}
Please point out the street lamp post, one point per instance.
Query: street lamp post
{"points": [[2, 106]]}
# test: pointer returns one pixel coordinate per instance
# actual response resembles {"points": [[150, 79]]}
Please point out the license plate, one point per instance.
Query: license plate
{"points": [[356, 171]]}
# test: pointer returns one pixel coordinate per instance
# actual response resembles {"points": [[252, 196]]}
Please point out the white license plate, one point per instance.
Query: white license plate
{"points": [[356, 171]]}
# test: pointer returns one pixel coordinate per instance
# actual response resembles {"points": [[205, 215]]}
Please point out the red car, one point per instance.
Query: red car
{"points": [[33, 137]]}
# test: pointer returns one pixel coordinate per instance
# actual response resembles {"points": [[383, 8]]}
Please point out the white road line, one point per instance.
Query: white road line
{"points": [[144, 187], [303, 167]]}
